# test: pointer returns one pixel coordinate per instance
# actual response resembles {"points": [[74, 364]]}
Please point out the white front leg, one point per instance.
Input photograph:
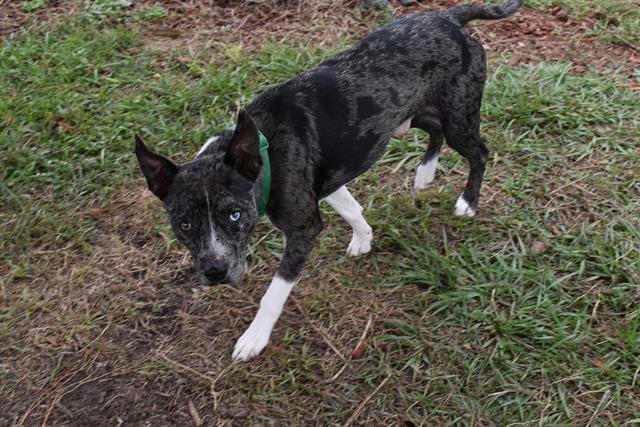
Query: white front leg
{"points": [[348, 208], [256, 337]]}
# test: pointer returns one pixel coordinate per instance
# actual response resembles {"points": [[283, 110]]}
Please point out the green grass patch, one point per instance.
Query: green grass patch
{"points": [[33, 5], [543, 287], [107, 9], [152, 13]]}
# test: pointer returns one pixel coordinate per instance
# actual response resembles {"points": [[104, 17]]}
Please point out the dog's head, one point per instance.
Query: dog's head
{"points": [[211, 201]]}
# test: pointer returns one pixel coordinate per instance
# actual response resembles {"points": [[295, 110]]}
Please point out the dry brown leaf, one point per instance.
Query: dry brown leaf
{"points": [[382, 345], [358, 352], [276, 348], [538, 247], [51, 340]]}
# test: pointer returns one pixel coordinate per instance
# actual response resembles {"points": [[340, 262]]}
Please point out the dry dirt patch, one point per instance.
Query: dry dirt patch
{"points": [[12, 18], [533, 37], [530, 36], [209, 25], [120, 332]]}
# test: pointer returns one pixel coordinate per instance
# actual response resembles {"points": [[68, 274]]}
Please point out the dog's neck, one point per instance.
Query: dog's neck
{"points": [[265, 176]]}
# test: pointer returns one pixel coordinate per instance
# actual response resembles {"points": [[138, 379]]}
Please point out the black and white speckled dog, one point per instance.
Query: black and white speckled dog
{"points": [[326, 127]]}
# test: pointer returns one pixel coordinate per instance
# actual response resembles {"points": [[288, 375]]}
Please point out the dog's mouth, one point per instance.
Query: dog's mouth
{"points": [[230, 277], [208, 282]]}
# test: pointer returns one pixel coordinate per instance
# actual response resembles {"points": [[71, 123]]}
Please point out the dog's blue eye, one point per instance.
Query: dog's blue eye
{"points": [[235, 215]]}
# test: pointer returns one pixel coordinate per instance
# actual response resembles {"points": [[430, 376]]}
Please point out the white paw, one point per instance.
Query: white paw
{"points": [[360, 243], [463, 208], [425, 174], [251, 343]]}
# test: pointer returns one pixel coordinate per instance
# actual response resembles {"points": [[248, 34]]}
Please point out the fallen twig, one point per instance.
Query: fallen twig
{"points": [[604, 402], [209, 379], [358, 351], [356, 414], [61, 382], [322, 333], [194, 414], [359, 348], [56, 400]]}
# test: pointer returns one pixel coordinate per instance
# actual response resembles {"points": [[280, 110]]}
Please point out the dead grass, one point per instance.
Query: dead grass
{"points": [[13, 19], [532, 37], [110, 333]]}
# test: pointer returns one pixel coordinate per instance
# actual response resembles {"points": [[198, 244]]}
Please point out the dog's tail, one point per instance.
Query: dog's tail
{"points": [[468, 12]]}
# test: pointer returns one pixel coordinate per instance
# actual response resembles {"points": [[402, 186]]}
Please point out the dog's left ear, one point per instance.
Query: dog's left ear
{"points": [[158, 170], [243, 153]]}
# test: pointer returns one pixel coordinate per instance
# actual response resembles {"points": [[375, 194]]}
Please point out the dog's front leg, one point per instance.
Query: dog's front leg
{"points": [[256, 337], [299, 242]]}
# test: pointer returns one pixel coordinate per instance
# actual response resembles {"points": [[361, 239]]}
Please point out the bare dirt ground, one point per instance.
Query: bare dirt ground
{"points": [[96, 340], [205, 25], [138, 346], [530, 37]]}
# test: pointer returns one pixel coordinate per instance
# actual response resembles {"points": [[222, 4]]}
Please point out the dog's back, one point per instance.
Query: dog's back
{"points": [[346, 109]]}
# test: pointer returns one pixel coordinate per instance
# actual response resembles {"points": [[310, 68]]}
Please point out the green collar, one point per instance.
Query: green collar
{"points": [[266, 179]]}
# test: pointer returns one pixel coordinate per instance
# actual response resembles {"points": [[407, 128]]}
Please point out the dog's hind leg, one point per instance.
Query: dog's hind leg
{"points": [[349, 209], [476, 153], [462, 132], [427, 120]]}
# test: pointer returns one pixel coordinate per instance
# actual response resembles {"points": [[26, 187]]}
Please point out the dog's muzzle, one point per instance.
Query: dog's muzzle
{"points": [[215, 271]]}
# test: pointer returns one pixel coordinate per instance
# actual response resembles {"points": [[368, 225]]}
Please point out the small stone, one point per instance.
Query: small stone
{"points": [[580, 69], [614, 22], [562, 15], [376, 4]]}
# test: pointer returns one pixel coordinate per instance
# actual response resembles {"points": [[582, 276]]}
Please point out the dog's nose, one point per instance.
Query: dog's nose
{"points": [[215, 271]]}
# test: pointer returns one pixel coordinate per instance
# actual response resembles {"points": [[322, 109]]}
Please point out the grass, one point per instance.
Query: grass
{"points": [[527, 314], [618, 21]]}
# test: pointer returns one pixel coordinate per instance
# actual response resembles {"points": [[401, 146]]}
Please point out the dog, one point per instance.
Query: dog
{"points": [[324, 128]]}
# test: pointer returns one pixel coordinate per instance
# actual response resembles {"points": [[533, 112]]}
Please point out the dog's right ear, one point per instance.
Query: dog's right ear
{"points": [[243, 153], [158, 170]]}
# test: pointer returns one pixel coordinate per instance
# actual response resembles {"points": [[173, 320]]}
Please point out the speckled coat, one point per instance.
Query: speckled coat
{"points": [[325, 127]]}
